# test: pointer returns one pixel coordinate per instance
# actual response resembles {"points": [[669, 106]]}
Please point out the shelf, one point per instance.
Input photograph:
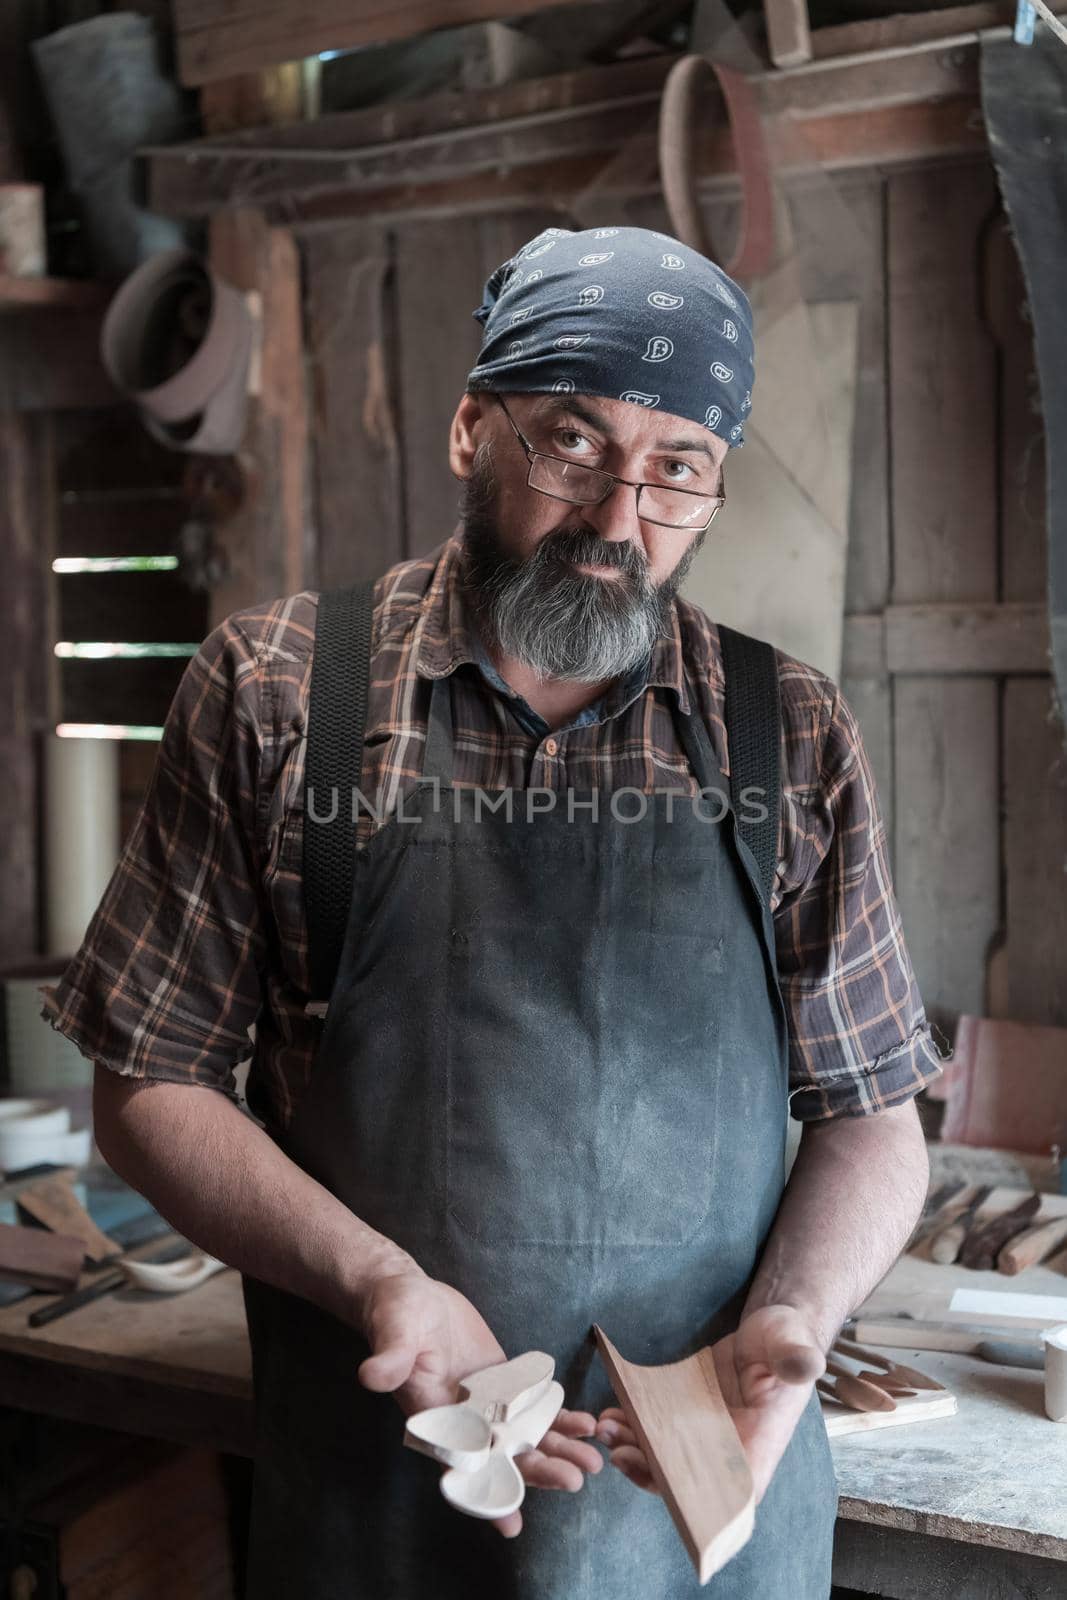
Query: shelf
{"points": [[61, 294]]}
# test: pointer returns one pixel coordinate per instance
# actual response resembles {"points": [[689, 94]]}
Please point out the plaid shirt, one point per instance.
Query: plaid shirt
{"points": [[201, 932]]}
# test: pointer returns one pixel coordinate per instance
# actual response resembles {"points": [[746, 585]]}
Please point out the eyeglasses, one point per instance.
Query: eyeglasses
{"points": [[691, 509]]}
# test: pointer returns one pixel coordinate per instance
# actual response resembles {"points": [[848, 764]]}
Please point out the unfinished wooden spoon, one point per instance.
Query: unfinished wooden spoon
{"points": [[457, 1435], [497, 1487], [846, 1345], [502, 1391], [858, 1392], [172, 1277]]}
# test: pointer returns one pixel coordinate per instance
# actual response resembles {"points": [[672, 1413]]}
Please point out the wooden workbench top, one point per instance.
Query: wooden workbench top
{"points": [[995, 1474], [196, 1340]]}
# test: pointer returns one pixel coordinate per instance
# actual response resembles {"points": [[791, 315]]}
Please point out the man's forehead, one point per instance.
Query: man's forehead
{"points": [[623, 419]]}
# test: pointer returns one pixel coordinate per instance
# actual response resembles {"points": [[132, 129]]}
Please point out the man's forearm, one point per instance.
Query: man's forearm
{"points": [[853, 1197], [223, 1183]]}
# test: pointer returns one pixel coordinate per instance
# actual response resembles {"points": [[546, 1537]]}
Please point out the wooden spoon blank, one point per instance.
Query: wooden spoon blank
{"points": [[690, 1443], [846, 1345], [857, 1392]]}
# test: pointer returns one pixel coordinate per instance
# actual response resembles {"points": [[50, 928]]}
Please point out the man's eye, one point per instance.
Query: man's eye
{"points": [[566, 435], [678, 476]]}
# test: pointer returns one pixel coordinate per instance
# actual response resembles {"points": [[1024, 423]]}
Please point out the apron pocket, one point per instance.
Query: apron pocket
{"points": [[582, 1094]]}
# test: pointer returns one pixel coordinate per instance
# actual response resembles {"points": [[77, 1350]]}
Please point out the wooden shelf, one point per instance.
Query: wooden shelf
{"points": [[62, 294]]}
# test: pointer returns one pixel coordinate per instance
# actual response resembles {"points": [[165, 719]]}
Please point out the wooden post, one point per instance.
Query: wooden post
{"points": [[265, 544], [27, 667]]}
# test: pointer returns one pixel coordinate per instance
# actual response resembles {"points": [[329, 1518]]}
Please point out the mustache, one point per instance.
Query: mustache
{"points": [[585, 547]]}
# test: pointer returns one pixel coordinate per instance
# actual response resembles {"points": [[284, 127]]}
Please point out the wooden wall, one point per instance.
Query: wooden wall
{"points": [[945, 658]]}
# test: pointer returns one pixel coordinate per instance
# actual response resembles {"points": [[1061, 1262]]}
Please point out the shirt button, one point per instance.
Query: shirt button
{"points": [[551, 747]]}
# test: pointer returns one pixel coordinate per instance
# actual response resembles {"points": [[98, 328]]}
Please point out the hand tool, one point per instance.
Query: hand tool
{"points": [[105, 1284], [944, 1245], [930, 1220], [1032, 1246], [910, 1333], [980, 1247]]}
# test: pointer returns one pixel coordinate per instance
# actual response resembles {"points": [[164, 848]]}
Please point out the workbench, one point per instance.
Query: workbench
{"points": [[971, 1506]]}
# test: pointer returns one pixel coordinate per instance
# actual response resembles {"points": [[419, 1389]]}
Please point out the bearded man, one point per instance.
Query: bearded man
{"points": [[530, 1024]]}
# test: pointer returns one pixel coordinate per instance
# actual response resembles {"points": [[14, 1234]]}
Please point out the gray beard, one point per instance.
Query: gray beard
{"points": [[560, 623]]}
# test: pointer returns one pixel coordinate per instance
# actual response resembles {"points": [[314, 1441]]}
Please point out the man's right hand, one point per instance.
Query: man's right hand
{"points": [[425, 1336]]}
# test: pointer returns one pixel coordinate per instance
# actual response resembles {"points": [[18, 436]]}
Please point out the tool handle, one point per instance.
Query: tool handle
{"points": [[1032, 1246], [77, 1297], [982, 1244], [945, 1246]]}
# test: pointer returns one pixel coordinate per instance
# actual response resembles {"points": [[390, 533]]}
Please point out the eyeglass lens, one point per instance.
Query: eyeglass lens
{"points": [[585, 486]]}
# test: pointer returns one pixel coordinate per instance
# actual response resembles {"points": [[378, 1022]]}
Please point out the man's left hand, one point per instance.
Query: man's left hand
{"points": [[766, 1371]]}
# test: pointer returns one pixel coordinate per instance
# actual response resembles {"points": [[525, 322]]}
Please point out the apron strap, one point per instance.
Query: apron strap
{"points": [[337, 712], [753, 732]]}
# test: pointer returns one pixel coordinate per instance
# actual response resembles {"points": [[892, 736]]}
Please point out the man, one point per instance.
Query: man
{"points": [[564, 1031]]}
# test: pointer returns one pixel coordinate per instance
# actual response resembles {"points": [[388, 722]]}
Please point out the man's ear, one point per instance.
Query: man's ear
{"points": [[465, 435]]}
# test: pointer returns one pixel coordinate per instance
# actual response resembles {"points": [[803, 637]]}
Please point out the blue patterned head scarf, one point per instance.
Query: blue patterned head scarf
{"points": [[624, 313]]}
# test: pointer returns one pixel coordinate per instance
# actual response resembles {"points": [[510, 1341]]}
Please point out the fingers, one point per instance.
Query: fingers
{"points": [[575, 1424], [389, 1367], [624, 1450], [510, 1526], [632, 1464], [775, 1344]]}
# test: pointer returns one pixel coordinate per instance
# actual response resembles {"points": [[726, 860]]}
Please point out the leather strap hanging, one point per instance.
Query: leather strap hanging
{"points": [[754, 252]]}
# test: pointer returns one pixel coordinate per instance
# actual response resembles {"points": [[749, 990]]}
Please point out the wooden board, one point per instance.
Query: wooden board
{"points": [[946, 861], [943, 390], [1030, 976], [688, 1439], [355, 439], [777, 568], [840, 1419], [216, 41], [267, 544]]}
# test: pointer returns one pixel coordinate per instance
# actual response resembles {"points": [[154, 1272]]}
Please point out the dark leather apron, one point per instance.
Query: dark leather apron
{"points": [[553, 1069]]}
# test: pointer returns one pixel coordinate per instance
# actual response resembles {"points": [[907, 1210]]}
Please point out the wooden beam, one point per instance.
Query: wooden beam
{"points": [[221, 38], [20, 295], [948, 26], [543, 142], [1008, 638], [788, 31]]}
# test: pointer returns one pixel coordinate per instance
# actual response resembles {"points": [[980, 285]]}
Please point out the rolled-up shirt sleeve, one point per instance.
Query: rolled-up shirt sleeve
{"points": [[859, 1037], [168, 978]]}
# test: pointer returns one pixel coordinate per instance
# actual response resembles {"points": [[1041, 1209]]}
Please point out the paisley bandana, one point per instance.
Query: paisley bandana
{"points": [[624, 313]]}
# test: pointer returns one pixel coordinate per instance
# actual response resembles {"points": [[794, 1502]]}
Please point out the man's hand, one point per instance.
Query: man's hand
{"points": [[766, 1371], [426, 1336]]}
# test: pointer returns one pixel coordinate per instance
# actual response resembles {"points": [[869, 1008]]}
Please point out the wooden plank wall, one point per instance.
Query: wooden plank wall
{"points": [[944, 658]]}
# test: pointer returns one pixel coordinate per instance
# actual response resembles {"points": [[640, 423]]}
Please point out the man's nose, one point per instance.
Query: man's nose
{"points": [[615, 517]]}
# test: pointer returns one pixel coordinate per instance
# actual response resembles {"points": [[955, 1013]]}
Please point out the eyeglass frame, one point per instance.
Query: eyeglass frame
{"points": [[615, 480]]}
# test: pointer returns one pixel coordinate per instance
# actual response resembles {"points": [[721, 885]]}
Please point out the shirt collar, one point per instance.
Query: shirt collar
{"points": [[448, 634]]}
